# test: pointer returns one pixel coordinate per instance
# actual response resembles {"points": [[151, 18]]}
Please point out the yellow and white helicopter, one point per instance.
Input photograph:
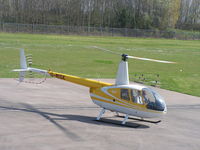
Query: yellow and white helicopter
{"points": [[121, 97]]}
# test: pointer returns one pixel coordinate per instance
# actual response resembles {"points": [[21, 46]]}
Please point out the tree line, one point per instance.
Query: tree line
{"points": [[137, 14]]}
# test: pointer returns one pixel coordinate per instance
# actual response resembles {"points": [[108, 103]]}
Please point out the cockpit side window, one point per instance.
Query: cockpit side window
{"points": [[136, 96], [147, 96], [125, 94]]}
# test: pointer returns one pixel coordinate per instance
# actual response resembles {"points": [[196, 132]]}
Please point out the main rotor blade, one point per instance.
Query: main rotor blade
{"points": [[148, 59], [134, 57], [106, 50]]}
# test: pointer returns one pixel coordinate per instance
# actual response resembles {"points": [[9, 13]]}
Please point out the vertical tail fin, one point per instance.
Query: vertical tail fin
{"points": [[22, 76], [22, 71], [23, 63]]}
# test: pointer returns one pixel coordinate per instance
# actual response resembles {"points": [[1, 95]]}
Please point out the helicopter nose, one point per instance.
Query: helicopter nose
{"points": [[158, 106]]}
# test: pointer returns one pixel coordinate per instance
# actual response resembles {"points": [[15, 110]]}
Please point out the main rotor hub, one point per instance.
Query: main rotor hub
{"points": [[124, 57]]}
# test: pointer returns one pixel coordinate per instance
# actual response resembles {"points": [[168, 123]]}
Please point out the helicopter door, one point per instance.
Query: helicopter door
{"points": [[136, 96], [125, 94]]}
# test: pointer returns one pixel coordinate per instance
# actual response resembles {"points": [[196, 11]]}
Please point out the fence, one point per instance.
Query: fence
{"points": [[95, 31]]}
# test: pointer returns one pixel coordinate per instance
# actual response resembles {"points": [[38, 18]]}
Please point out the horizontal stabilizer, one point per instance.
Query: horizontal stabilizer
{"points": [[20, 70], [31, 69], [38, 70]]}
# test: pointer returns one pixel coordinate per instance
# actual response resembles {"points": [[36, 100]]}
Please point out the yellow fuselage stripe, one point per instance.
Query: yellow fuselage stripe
{"points": [[131, 107], [97, 99]]}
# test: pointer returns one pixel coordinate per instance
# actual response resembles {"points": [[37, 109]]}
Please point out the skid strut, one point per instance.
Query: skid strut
{"points": [[101, 113], [125, 119], [117, 114]]}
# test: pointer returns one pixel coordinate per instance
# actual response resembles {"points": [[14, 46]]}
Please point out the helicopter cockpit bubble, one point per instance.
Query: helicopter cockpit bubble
{"points": [[153, 100]]}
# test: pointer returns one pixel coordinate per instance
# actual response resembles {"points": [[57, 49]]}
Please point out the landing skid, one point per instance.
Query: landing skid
{"points": [[143, 120], [118, 123]]}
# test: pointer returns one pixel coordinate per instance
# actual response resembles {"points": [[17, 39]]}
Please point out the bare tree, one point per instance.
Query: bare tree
{"points": [[142, 14]]}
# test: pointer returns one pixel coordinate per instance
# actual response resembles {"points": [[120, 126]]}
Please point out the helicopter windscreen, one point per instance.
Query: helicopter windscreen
{"points": [[153, 99]]}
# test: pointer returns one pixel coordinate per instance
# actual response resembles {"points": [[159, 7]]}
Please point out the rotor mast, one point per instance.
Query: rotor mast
{"points": [[122, 74]]}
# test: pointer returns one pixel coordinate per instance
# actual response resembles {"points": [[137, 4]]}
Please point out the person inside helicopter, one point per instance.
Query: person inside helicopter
{"points": [[145, 97], [136, 96]]}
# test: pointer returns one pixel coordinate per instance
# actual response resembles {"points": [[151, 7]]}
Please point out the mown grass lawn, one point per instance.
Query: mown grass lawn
{"points": [[76, 55]]}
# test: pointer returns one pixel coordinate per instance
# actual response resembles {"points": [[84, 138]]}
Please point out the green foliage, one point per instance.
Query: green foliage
{"points": [[140, 14], [75, 55], [122, 18]]}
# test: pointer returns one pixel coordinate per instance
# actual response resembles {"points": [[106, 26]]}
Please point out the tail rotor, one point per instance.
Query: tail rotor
{"points": [[24, 68]]}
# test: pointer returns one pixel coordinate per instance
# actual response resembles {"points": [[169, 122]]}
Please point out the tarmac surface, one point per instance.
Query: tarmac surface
{"points": [[58, 115]]}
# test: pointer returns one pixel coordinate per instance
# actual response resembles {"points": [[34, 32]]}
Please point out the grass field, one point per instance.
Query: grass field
{"points": [[75, 55]]}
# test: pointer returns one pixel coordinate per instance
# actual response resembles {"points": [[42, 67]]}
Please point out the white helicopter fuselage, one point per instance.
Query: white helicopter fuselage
{"points": [[111, 98]]}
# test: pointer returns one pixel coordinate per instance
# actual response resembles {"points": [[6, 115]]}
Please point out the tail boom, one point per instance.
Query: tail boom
{"points": [[78, 80]]}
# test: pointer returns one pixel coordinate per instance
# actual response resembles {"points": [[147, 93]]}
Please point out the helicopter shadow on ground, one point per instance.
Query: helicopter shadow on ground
{"points": [[85, 119], [54, 119], [102, 121]]}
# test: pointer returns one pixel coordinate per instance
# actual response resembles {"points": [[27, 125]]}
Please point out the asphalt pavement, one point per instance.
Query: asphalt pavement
{"points": [[59, 115]]}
